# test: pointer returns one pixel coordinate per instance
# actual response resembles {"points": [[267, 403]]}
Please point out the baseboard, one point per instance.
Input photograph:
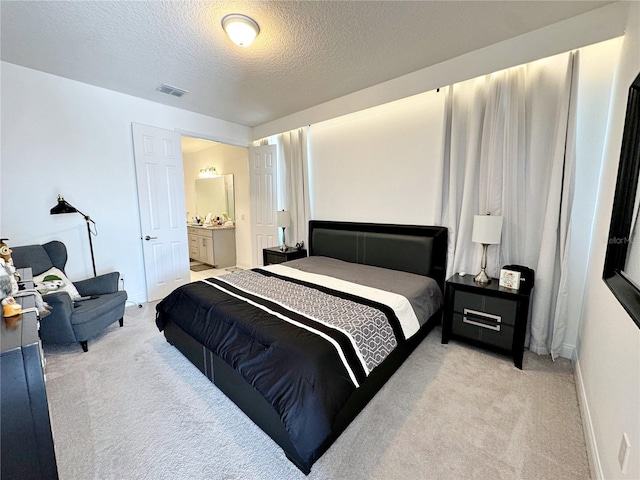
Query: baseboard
{"points": [[587, 426], [136, 298]]}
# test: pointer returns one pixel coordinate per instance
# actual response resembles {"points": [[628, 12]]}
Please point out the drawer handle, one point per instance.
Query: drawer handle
{"points": [[469, 315]]}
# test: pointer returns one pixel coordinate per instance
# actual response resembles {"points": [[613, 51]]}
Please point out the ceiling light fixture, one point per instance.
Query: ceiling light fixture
{"points": [[241, 29]]}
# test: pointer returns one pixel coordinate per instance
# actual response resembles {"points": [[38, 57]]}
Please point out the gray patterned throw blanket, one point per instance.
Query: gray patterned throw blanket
{"points": [[372, 320], [367, 327]]}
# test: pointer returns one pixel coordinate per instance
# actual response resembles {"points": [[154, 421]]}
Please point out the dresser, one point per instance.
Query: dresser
{"points": [[488, 316], [26, 437], [215, 246]]}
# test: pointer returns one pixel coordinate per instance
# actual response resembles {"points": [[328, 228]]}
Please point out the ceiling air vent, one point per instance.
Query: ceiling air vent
{"points": [[171, 90]]}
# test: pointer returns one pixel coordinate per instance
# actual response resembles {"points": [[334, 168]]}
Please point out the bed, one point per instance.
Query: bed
{"points": [[271, 340]]}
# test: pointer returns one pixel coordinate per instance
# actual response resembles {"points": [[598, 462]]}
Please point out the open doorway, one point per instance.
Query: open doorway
{"points": [[228, 166]]}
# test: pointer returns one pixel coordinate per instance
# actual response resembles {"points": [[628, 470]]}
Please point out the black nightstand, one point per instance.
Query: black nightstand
{"points": [[275, 255], [486, 315]]}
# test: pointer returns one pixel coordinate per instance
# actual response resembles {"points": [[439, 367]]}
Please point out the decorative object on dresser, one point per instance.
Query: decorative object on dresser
{"points": [[487, 230], [64, 207], [26, 439], [487, 315], [283, 219], [100, 303], [278, 255], [8, 284]]}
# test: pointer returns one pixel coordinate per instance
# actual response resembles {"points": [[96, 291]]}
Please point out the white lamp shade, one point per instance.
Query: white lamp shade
{"points": [[487, 229], [282, 219], [241, 29]]}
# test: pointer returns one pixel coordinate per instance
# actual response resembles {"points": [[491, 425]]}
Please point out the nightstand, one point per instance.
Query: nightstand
{"points": [[486, 315], [275, 255]]}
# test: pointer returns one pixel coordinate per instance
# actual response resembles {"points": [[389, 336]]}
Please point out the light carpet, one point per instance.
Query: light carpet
{"points": [[134, 408]]}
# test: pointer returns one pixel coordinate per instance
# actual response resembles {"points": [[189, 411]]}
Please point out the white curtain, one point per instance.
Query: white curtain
{"points": [[293, 167], [506, 138]]}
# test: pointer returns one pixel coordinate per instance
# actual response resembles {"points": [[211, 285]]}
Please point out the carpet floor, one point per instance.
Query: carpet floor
{"points": [[134, 408]]}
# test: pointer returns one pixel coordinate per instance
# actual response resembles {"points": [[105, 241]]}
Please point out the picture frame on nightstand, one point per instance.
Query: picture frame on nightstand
{"points": [[509, 279]]}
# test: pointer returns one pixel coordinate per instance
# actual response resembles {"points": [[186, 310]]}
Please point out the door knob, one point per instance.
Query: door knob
{"points": [[147, 238]]}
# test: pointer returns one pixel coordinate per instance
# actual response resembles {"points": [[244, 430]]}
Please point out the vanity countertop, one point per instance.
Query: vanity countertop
{"points": [[216, 227]]}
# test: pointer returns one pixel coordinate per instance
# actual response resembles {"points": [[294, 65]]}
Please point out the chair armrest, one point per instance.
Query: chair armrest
{"points": [[60, 302], [107, 283], [56, 327]]}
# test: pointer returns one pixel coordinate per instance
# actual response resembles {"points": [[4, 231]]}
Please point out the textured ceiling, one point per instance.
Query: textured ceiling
{"points": [[307, 53]]}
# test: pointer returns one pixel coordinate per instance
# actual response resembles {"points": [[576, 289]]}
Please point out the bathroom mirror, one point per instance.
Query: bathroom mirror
{"points": [[215, 195]]}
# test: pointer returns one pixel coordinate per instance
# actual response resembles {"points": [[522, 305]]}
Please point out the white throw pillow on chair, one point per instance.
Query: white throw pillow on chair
{"points": [[54, 280]]}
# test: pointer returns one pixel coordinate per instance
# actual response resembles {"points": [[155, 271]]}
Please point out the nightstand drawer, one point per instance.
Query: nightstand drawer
{"points": [[483, 329], [272, 258], [505, 309]]}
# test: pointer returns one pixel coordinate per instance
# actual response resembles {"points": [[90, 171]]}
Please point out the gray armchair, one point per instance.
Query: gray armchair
{"points": [[71, 321]]}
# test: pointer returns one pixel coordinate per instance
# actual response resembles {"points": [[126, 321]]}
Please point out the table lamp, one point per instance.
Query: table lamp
{"points": [[487, 230], [282, 220]]}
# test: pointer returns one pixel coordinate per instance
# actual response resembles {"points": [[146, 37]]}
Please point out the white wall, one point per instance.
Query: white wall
{"points": [[608, 367], [62, 136], [379, 165], [227, 159]]}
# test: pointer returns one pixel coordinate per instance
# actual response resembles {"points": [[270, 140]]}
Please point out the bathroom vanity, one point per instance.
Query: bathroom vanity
{"points": [[215, 246]]}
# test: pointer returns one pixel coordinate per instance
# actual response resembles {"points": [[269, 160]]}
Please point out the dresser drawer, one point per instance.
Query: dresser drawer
{"points": [[503, 308], [474, 327]]}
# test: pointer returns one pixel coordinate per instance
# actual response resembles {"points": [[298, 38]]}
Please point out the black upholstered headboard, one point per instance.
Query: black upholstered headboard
{"points": [[409, 248]]}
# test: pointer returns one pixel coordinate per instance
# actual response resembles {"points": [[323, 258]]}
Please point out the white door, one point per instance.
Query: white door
{"points": [[160, 177], [264, 201]]}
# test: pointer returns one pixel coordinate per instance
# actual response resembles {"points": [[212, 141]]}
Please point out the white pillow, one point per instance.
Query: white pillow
{"points": [[54, 280]]}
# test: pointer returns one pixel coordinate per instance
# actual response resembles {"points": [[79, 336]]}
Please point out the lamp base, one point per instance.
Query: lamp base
{"points": [[482, 278], [283, 245]]}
